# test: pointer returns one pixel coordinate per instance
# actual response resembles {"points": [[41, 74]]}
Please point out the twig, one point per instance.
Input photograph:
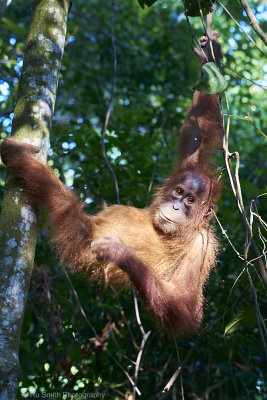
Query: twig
{"points": [[213, 387], [235, 183], [240, 27], [144, 339], [259, 318], [225, 65], [165, 366], [204, 331], [194, 39], [253, 21], [224, 232], [110, 105], [138, 319], [125, 319], [138, 361], [234, 179], [180, 368], [95, 333], [181, 377]]}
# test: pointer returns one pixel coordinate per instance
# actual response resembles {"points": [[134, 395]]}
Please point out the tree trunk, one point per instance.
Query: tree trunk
{"points": [[18, 224]]}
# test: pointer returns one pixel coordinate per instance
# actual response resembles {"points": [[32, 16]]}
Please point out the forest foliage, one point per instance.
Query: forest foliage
{"points": [[155, 75]]}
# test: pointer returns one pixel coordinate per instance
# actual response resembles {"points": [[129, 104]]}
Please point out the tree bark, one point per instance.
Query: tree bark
{"points": [[253, 21], [18, 224]]}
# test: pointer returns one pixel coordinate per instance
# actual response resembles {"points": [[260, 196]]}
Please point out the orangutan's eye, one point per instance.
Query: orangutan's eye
{"points": [[190, 199], [179, 191]]}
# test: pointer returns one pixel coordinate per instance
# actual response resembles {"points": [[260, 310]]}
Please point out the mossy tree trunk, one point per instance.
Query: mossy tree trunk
{"points": [[18, 224]]}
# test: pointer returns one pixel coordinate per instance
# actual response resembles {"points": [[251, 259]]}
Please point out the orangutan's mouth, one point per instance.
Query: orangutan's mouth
{"points": [[165, 218]]}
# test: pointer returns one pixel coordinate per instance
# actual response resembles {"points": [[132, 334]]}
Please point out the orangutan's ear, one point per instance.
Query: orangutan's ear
{"points": [[208, 211]]}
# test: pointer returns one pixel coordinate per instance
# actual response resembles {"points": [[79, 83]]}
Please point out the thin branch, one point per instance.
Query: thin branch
{"points": [[144, 339], [235, 183], [103, 137], [138, 319], [224, 232], [240, 27], [225, 65], [213, 387], [180, 368], [181, 377], [138, 361], [253, 21], [260, 321], [204, 331], [250, 262], [95, 333], [194, 39], [124, 318]]}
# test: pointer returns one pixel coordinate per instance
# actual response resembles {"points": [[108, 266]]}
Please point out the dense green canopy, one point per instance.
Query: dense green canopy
{"points": [[155, 75]]}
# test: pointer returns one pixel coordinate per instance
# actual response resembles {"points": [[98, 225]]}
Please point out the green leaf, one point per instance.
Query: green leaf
{"points": [[15, 28], [245, 317], [141, 3], [192, 7], [147, 3], [211, 81]]}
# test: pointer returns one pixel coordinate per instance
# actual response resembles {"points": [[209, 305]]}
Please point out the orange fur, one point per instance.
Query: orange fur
{"points": [[169, 271], [168, 266]]}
